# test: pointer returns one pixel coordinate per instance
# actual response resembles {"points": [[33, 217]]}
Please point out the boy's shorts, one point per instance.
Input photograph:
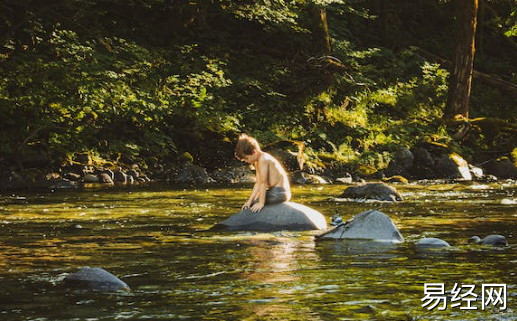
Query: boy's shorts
{"points": [[275, 195]]}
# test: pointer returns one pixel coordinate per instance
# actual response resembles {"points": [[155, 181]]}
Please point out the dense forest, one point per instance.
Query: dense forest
{"points": [[158, 82]]}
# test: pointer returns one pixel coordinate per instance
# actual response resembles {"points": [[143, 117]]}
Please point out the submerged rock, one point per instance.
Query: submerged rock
{"points": [[95, 279], [370, 225], [375, 191], [431, 242], [276, 217], [493, 240]]}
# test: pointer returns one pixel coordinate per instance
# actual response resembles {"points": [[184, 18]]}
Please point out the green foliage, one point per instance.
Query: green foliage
{"points": [[511, 24], [160, 79]]}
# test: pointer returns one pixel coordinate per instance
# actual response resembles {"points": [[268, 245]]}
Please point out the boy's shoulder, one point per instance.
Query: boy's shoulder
{"points": [[267, 157]]}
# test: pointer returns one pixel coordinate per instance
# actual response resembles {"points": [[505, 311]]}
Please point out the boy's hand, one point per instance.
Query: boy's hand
{"points": [[257, 207], [246, 205]]}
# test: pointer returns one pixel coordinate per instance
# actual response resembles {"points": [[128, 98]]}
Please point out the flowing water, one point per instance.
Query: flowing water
{"points": [[155, 239]]}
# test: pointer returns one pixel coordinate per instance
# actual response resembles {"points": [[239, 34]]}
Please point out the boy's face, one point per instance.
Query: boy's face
{"points": [[250, 159]]}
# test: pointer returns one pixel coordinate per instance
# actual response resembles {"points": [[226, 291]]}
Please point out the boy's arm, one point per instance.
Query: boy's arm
{"points": [[253, 192], [262, 186], [252, 196]]}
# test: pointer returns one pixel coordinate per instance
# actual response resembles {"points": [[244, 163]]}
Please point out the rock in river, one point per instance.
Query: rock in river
{"points": [[431, 242], [95, 279], [375, 191], [288, 216], [493, 240], [371, 225]]}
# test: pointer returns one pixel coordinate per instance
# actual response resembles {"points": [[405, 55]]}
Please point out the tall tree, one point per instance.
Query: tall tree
{"points": [[320, 29], [461, 78]]}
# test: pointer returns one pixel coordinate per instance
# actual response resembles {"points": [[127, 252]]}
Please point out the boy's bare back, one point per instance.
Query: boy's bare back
{"points": [[274, 173]]}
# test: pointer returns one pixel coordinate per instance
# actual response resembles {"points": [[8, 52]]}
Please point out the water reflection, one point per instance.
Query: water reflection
{"points": [[274, 269]]}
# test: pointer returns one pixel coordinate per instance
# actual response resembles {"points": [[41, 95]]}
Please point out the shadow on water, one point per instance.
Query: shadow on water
{"points": [[156, 240]]}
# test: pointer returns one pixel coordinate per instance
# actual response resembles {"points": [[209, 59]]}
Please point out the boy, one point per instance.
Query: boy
{"points": [[272, 185]]}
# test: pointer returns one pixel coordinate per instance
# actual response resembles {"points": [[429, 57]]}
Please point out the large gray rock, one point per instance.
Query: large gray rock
{"points": [[402, 161], [276, 217], [502, 168], [452, 166], [95, 279], [375, 191], [370, 225]]}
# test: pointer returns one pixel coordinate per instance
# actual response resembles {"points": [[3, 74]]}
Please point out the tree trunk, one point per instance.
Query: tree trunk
{"points": [[320, 30], [461, 78]]}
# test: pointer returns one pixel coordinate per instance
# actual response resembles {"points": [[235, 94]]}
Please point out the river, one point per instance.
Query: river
{"points": [[155, 239]]}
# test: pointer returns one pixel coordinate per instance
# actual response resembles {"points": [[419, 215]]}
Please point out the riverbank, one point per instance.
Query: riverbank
{"points": [[424, 162]]}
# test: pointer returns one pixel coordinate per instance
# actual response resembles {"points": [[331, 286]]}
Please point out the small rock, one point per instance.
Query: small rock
{"points": [[91, 178], [476, 172], [346, 179], [95, 279], [493, 240], [106, 178], [375, 191], [432, 242], [120, 177], [109, 172]]}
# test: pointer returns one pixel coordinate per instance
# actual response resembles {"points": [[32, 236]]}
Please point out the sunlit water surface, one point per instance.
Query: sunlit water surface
{"points": [[155, 239]]}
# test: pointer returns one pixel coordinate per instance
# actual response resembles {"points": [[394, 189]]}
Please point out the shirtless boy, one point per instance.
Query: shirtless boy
{"points": [[271, 185]]}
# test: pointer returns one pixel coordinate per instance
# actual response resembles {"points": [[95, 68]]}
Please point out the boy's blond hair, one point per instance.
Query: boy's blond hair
{"points": [[245, 146]]}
